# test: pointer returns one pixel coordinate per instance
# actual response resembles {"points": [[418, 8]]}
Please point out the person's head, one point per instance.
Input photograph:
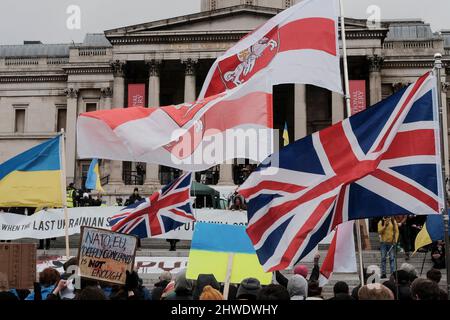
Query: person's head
{"points": [[71, 262], [314, 289], [48, 277], [237, 201], [91, 293], [410, 269], [209, 293], [302, 270], [248, 289], [434, 275], [375, 291], [402, 277], [390, 284], [424, 289], [136, 191], [340, 287], [204, 280], [183, 284], [273, 292], [165, 276], [297, 287], [71, 185]]}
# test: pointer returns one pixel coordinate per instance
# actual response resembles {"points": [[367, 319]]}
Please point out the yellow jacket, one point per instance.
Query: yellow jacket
{"points": [[389, 231]]}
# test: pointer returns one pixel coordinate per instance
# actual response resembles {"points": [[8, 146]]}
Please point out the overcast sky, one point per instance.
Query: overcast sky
{"points": [[45, 20]]}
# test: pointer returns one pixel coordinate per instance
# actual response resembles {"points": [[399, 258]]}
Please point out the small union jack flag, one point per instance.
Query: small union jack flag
{"points": [[162, 212], [381, 162]]}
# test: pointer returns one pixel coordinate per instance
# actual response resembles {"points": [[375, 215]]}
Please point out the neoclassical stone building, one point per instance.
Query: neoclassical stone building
{"points": [[43, 87]]}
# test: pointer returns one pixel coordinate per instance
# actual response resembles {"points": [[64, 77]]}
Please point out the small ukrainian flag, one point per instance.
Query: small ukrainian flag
{"points": [[285, 135], [433, 230], [34, 177], [93, 177]]}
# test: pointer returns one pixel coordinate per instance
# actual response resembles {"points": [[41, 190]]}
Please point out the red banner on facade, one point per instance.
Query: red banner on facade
{"points": [[357, 95], [136, 95]]}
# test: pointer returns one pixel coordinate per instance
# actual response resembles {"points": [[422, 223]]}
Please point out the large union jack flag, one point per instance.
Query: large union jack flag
{"points": [[162, 212], [383, 161]]}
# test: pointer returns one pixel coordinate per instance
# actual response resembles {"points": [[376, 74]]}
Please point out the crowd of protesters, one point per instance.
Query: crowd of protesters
{"points": [[403, 284]]}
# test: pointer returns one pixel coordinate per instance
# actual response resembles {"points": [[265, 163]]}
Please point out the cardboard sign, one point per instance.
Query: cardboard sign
{"points": [[105, 255], [18, 263]]}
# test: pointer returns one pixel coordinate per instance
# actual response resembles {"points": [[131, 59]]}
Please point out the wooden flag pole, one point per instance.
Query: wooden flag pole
{"points": [[226, 287], [437, 68], [63, 192], [349, 113]]}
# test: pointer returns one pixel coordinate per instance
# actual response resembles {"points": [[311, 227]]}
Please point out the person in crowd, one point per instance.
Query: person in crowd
{"points": [[415, 224], [438, 254], [297, 287], [238, 204], [424, 289], [367, 272], [173, 244], [91, 293], [48, 279], [341, 291], [390, 284], [204, 280], [164, 279], [209, 293], [410, 269], [5, 293], [182, 288], [273, 292], [119, 202], [169, 290], [388, 232], [302, 270], [435, 275], [402, 282], [135, 197], [248, 289], [314, 290], [405, 239], [71, 196], [375, 291]]}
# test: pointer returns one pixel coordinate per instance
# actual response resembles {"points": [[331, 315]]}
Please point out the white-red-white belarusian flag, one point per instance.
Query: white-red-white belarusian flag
{"points": [[191, 136], [341, 256], [299, 45]]}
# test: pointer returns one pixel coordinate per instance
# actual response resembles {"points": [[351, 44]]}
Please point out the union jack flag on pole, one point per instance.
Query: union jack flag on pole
{"points": [[162, 212], [381, 162]]}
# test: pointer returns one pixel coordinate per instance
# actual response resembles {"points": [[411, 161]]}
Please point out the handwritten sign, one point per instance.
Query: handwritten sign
{"points": [[105, 255]]}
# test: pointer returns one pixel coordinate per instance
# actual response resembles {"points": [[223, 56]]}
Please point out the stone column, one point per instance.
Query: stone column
{"points": [[300, 112], [118, 99], [106, 95], [337, 107], [189, 79], [375, 63], [71, 129], [226, 175], [152, 170]]}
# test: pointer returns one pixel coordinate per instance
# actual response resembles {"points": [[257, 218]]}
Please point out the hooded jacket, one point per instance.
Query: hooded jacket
{"points": [[183, 288], [297, 287], [204, 280]]}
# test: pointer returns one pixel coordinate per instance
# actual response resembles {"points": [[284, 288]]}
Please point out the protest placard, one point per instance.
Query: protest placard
{"points": [[105, 255], [18, 263]]}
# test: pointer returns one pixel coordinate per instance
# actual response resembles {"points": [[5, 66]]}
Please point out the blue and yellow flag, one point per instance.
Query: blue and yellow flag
{"points": [[33, 178], [93, 177], [285, 135], [433, 230], [210, 249]]}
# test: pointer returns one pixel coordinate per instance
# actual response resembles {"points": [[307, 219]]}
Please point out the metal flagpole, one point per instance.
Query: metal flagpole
{"points": [[437, 68], [63, 191], [349, 113]]}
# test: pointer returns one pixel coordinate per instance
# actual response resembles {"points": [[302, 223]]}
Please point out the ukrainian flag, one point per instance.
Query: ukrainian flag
{"points": [[285, 135], [93, 177], [211, 247], [433, 230], [33, 178]]}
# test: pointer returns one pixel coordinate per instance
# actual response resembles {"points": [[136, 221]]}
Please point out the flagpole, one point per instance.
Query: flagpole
{"points": [[63, 192], [437, 68], [349, 113]]}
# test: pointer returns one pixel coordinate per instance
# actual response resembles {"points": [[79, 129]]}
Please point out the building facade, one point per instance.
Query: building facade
{"points": [[44, 87]]}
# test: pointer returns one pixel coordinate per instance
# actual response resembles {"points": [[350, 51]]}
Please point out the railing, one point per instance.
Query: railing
{"points": [[418, 44], [90, 52], [59, 60], [132, 178], [21, 61]]}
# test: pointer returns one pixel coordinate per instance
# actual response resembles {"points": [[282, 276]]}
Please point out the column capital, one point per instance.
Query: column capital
{"points": [[154, 67], [375, 63], [106, 92], [118, 67], [71, 93], [189, 64]]}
